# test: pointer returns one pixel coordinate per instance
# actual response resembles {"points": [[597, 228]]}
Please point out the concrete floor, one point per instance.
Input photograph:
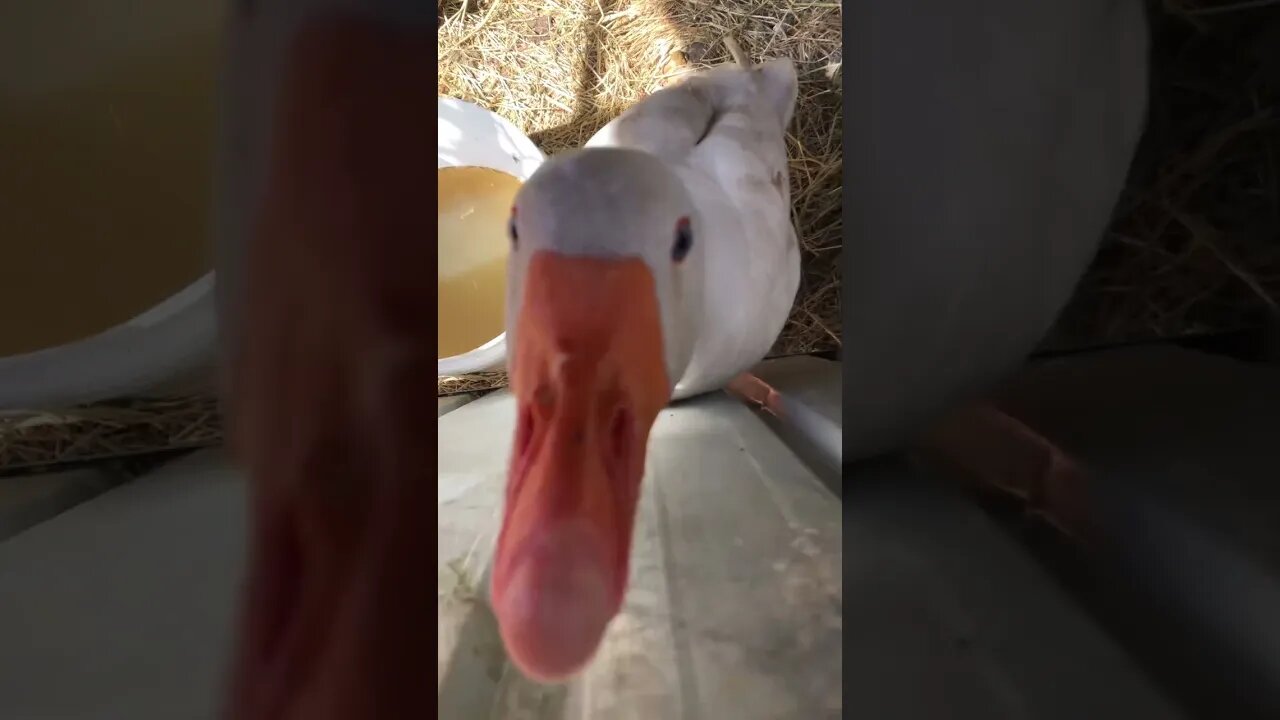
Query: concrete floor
{"points": [[733, 608], [120, 606]]}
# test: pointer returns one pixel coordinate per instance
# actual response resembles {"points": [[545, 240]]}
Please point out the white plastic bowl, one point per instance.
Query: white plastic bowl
{"points": [[168, 348], [470, 135], [86, 50]]}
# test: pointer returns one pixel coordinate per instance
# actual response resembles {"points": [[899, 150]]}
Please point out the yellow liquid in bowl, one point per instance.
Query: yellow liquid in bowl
{"points": [[104, 173], [474, 208]]}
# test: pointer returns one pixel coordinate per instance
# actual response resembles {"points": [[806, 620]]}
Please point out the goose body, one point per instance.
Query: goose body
{"points": [[721, 132], [992, 140], [657, 262]]}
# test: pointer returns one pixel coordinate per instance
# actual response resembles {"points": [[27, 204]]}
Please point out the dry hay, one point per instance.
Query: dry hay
{"points": [[35, 440], [1194, 246], [462, 384], [561, 69]]}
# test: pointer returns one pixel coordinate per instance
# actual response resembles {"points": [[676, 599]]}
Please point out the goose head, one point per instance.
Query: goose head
{"points": [[604, 247]]}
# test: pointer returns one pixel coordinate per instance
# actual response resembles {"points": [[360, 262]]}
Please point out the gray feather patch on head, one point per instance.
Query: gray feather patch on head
{"points": [[604, 202]]}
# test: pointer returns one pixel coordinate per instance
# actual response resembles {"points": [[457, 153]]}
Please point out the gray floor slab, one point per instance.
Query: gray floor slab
{"points": [[1179, 458], [812, 422], [27, 500], [450, 403], [120, 608], [952, 620], [734, 603]]}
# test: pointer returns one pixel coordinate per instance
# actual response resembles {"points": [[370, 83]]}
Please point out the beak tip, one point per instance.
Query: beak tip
{"points": [[552, 613]]}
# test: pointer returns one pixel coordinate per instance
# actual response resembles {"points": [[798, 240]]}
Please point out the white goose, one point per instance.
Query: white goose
{"points": [[659, 262], [988, 145]]}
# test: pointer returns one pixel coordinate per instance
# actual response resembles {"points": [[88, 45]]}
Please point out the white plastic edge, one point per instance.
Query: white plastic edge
{"points": [[179, 335], [172, 339]]}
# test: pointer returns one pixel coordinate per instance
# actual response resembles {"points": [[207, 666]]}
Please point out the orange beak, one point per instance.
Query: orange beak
{"points": [[590, 378]]}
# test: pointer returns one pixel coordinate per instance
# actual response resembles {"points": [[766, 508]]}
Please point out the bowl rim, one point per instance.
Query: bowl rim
{"points": [[526, 146], [164, 341], [487, 356]]}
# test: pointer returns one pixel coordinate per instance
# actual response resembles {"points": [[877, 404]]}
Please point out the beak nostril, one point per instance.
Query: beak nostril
{"points": [[524, 438], [544, 396], [620, 431], [521, 450]]}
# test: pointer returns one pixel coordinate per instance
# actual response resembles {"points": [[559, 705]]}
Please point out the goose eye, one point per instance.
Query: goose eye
{"points": [[684, 240], [511, 228]]}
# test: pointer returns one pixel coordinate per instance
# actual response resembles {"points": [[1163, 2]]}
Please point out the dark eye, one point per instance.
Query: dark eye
{"points": [[511, 228], [684, 240]]}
